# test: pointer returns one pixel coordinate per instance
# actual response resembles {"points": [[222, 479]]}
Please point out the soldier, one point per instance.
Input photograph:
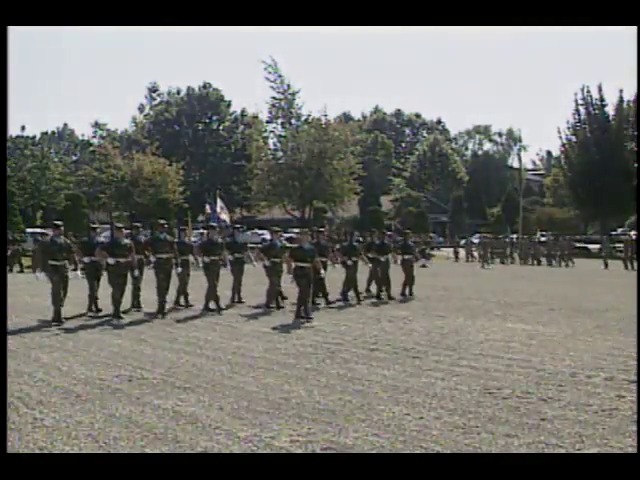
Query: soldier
{"points": [[383, 251], [456, 249], [300, 262], [350, 254], [550, 251], [185, 251], [120, 255], [163, 255], [238, 253], [271, 254], [537, 252], [212, 253], [511, 245], [369, 246], [93, 267], [468, 250], [14, 253], [408, 255], [137, 267], [484, 247], [606, 251], [628, 253], [53, 257], [324, 251]]}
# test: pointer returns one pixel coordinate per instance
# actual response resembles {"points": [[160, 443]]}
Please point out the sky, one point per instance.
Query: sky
{"points": [[521, 77]]}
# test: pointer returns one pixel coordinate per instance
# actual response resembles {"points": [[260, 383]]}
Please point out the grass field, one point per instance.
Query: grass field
{"points": [[510, 359]]}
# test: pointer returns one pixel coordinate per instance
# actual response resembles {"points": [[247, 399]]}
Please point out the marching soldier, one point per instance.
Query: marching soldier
{"points": [[137, 266], [238, 253], [53, 257], [185, 251], [350, 254], [319, 286], [14, 253], [93, 267], [408, 256], [369, 246], [272, 253], [163, 255], [628, 253], [606, 251], [468, 250], [300, 262], [383, 251], [456, 249], [213, 255], [484, 246], [120, 255]]}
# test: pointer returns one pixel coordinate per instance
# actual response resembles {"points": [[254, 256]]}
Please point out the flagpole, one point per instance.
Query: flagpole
{"points": [[522, 180]]}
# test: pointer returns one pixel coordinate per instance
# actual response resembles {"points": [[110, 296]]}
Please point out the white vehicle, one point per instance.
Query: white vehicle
{"points": [[198, 235], [30, 234], [257, 236]]}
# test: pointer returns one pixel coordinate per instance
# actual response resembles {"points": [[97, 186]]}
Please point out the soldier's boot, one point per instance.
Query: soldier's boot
{"points": [[239, 298], [176, 302], [328, 301], [344, 296], [162, 310], [390, 296], [187, 303], [358, 297], [96, 307], [90, 305], [279, 305], [57, 317], [283, 297]]}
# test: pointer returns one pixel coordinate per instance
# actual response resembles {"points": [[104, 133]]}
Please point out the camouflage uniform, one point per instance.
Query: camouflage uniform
{"points": [[350, 254], [408, 255], [138, 266], [185, 251], [163, 253], [120, 253], [273, 252], [237, 259], [92, 267], [212, 253], [53, 258]]}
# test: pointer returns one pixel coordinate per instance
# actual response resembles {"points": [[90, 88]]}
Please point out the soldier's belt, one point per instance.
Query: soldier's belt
{"points": [[407, 257], [383, 257], [185, 258], [303, 265], [164, 255], [208, 259], [322, 259], [277, 260], [58, 262], [238, 255], [89, 259]]}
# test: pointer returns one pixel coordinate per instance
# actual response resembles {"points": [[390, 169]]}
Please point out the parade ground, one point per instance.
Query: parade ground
{"points": [[510, 359]]}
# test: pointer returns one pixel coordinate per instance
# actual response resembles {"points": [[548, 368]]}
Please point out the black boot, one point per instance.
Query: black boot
{"points": [[90, 306], [187, 303], [96, 308], [177, 303], [57, 317], [328, 302]]}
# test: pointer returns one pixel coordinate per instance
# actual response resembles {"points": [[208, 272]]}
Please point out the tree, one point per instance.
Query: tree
{"points": [[596, 158], [556, 190], [376, 159]]}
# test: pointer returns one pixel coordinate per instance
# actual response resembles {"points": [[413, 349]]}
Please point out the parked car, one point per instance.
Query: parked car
{"points": [[30, 234]]}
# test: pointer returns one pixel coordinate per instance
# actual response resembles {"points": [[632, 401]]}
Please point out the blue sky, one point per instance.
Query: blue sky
{"points": [[523, 77]]}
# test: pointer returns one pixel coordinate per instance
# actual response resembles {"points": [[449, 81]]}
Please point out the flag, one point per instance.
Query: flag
{"points": [[222, 212]]}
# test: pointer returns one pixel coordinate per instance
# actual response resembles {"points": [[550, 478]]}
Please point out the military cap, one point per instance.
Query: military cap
{"points": [[57, 224], [276, 229], [163, 222], [136, 225], [212, 226], [183, 229], [118, 226], [320, 230], [237, 227], [406, 231]]}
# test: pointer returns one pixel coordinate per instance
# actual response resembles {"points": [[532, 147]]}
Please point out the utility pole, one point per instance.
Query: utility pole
{"points": [[522, 183]]}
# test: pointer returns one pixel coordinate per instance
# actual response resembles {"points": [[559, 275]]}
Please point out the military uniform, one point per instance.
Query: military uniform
{"points": [[53, 257], [92, 268], [163, 254], [273, 253], [407, 251], [485, 251], [237, 259], [628, 259], [369, 253], [383, 250], [137, 266], [185, 251], [350, 252], [303, 257], [319, 285], [212, 253], [120, 255], [14, 254]]}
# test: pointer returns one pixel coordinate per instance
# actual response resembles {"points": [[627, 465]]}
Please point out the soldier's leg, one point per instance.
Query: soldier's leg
{"points": [[370, 280], [278, 279], [234, 282], [405, 281], [180, 291], [346, 285], [56, 296], [306, 296], [64, 287], [121, 286], [412, 278], [387, 280], [20, 262], [272, 287], [159, 288], [88, 276], [300, 297], [136, 284], [240, 279], [187, 280], [354, 282]]}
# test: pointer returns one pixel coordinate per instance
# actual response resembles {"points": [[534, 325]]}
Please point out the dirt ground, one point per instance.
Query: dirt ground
{"points": [[510, 359]]}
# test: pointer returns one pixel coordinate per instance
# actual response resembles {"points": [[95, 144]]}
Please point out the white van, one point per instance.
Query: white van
{"points": [[30, 234]]}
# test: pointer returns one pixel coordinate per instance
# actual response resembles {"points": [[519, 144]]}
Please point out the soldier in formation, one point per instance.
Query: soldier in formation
{"points": [[119, 254], [163, 255], [350, 255], [301, 261], [629, 251], [211, 251], [272, 255], [408, 255], [93, 267], [185, 251], [137, 266], [52, 259], [383, 251], [324, 252], [238, 255], [370, 255]]}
